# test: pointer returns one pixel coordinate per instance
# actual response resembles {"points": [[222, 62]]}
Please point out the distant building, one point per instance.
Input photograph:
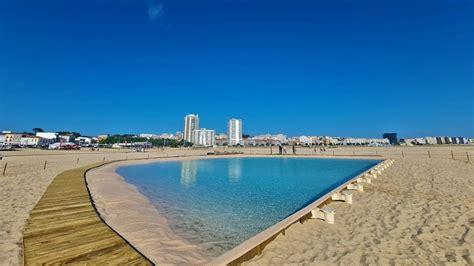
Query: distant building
{"points": [[83, 140], [191, 123], [179, 135], [448, 140], [392, 137], [304, 140], [147, 135], [47, 135], [12, 139], [67, 137], [440, 140], [30, 140], [2, 138], [203, 137], [221, 139], [234, 132]]}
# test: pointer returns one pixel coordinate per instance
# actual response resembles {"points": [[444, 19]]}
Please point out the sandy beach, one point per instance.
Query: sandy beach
{"points": [[26, 180], [420, 210]]}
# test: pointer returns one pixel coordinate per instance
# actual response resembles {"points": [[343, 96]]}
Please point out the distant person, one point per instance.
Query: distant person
{"points": [[294, 149], [280, 149]]}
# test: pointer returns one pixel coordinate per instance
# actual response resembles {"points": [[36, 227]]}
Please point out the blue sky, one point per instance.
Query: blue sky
{"points": [[345, 68]]}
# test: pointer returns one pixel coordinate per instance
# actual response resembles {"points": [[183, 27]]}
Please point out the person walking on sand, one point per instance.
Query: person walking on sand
{"points": [[294, 149], [280, 149]]}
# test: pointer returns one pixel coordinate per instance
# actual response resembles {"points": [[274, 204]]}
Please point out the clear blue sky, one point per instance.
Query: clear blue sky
{"points": [[344, 68]]}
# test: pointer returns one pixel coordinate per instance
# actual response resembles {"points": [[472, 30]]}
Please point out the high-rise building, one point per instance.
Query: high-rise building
{"points": [[204, 137], [191, 123], [234, 132], [392, 137]]}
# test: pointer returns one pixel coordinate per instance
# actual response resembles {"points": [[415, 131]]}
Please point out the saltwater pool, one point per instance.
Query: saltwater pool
{"points": [[219, 203]]}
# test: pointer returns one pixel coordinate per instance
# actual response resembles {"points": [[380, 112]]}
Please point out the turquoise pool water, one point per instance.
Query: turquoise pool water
{"points": [[219, 203]]}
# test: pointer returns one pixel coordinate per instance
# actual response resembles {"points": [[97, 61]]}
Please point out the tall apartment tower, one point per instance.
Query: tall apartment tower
{"points": [[234, 132], [191, 123]]}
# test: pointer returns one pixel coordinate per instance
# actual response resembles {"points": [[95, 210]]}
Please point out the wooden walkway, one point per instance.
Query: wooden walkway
{"points": [[64, 227]]}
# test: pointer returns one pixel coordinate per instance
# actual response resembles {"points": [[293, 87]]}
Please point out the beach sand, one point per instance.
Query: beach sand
{"points": [[25, 181], [419, 211]]}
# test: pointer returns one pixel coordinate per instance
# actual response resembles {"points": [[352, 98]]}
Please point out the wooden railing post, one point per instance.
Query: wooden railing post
{"points": [[5, 168]]}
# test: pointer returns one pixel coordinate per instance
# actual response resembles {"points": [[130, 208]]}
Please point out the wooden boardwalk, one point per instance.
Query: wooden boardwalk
{"points": [[64, 227]]}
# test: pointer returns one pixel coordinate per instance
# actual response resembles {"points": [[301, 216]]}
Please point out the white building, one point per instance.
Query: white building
{"points": [[166, 136], [47, 135], [147, 135], [280, 137], [191, 123], [83, 140], [204, 137], [304, 140], [28, 140], [234, 132]]}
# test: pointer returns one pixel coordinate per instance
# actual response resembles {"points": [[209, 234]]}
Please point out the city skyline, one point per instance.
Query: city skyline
{"points": [[339, 68]]}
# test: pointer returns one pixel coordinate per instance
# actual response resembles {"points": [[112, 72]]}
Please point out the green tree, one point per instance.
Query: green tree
{"points": [[37, 129]]}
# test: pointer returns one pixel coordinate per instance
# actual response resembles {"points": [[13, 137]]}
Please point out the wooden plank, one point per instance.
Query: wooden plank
{"points": [[64, 227]]}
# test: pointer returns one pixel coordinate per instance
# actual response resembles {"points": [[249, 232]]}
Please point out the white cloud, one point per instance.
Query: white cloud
{"points": [[155, 10]]}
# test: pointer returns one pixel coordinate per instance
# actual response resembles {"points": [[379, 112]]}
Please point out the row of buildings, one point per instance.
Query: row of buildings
{"points": [[436, 140], [41, 139], [280, 139], [203, 137], [9, 138]]}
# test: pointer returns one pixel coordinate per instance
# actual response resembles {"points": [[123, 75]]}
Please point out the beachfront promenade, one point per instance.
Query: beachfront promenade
{"points": [[418, 192], [65, 228]]}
